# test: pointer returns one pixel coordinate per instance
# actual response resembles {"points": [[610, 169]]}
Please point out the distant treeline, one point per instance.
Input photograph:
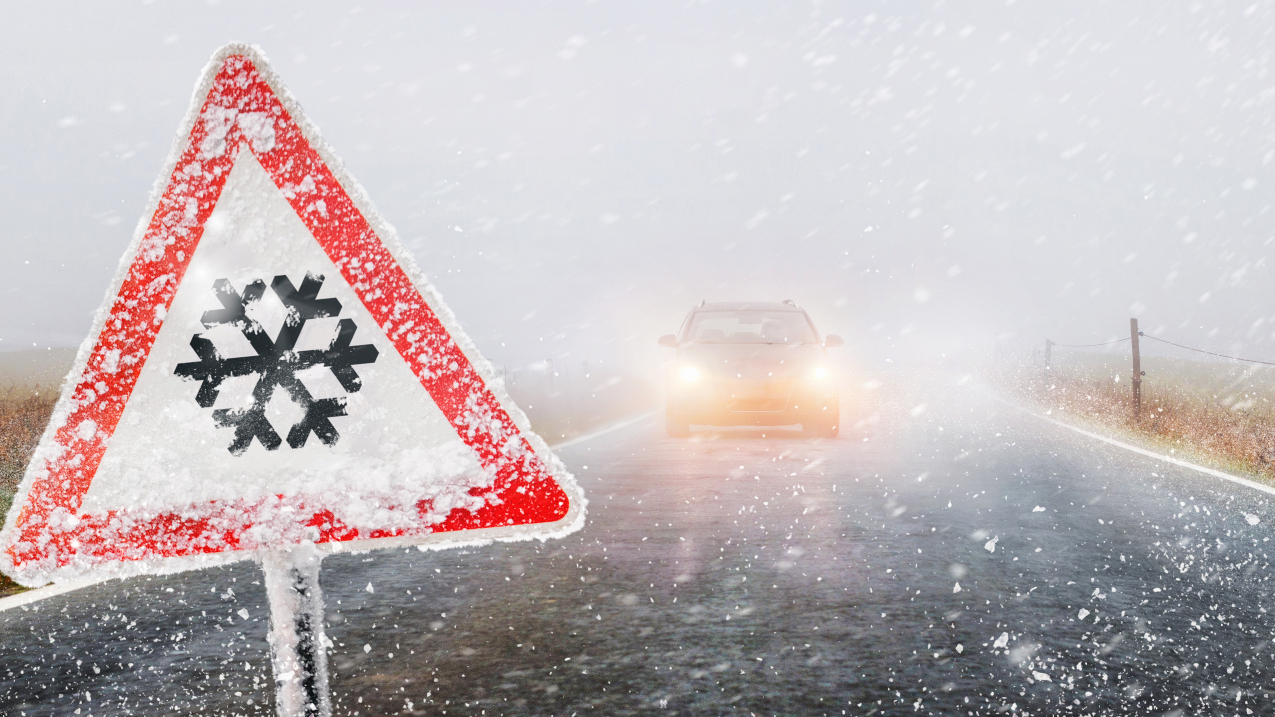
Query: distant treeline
{"points": [[32, 372], [566, 400]]}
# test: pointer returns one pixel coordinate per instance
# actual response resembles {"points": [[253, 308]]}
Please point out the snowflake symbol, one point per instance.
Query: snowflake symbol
{"points": [[276, 363]]}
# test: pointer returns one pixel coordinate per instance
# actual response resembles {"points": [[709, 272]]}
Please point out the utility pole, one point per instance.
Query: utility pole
{"points": [[1137, 368], [1049, 352]]}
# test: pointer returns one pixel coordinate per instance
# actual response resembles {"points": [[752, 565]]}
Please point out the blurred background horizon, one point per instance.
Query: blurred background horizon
{"points": [[930, 179]]}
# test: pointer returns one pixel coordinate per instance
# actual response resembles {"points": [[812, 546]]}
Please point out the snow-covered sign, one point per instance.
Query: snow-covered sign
{"points": [[271, 368]]}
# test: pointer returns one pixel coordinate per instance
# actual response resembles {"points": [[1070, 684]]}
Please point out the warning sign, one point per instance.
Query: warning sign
{"points": [[271, 368]]}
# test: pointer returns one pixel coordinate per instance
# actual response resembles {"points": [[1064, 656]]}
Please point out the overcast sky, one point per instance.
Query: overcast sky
{"points": [[573, 176]]}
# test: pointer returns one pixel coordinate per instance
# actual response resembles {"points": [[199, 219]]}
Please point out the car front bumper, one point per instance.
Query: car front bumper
{"points": [[724, 402]]}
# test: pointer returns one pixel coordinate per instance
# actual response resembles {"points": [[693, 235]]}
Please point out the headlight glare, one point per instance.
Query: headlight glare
{"points": [[689, 374], [821, 373]]}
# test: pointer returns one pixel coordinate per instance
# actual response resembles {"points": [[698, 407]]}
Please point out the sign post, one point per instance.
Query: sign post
{"points": [[1137, 367], [297, 642], [271, 377]]}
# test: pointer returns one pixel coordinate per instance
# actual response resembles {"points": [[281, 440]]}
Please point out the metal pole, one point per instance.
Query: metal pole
{"points": [[297, 641], [1137, 368]]}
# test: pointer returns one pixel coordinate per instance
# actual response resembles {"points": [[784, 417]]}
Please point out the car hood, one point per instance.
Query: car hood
{"points": [[752, 361]]}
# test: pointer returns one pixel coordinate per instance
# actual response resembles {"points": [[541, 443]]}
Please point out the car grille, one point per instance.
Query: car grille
{"points": [[747, 395]]}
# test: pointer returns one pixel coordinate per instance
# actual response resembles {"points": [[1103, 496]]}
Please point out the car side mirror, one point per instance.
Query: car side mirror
{"points": [[668, 341], [833, 340]]}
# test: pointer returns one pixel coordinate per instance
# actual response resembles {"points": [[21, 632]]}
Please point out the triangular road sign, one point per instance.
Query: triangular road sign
{"points": [[270, 367]]}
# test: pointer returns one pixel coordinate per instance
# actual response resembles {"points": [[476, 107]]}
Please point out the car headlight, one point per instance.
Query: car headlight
{"points": [[820, 373], [689, 374]]}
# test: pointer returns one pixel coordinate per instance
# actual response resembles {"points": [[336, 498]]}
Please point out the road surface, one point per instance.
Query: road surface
{"points": [[948, 554]]}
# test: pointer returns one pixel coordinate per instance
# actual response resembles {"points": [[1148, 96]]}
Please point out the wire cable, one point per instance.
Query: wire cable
{"points": [[1086, 346], [1211, 353]]}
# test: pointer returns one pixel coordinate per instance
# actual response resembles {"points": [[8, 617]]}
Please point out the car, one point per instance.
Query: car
{"points": [[751, 364]]}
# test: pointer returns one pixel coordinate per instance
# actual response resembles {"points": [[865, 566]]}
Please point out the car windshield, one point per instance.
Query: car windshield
{"points": [[750, 327]]}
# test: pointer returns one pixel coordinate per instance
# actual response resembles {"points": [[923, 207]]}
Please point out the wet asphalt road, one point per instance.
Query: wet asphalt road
{"points": [[747, 572]]}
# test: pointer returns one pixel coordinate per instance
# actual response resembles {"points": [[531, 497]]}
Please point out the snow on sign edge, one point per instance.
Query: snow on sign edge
{"points": [[66, 406]]}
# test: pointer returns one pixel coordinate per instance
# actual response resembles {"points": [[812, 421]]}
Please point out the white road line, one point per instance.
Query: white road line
{"points": [[48, 591], [1151, 454], [604, 431]]}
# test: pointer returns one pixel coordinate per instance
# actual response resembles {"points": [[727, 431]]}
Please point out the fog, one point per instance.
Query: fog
{"points": [[927, 178]]}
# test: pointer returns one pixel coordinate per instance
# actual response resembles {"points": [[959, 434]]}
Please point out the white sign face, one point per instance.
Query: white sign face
{"points": [[271, 369], [168, 450]]}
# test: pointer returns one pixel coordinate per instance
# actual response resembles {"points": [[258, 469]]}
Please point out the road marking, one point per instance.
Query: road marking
{"points": [[1151, 454], [605, 430], [48, 591]]}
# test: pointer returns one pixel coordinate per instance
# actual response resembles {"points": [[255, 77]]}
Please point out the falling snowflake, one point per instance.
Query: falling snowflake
{"points": [[276, 363]]}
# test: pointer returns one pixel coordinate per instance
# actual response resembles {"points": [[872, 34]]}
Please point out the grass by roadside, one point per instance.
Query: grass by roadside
{"points": [[21, 423], [1217, 414], [7, 586]]}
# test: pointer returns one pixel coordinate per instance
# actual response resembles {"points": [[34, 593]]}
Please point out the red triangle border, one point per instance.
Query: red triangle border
{"points": [[50, 533]]}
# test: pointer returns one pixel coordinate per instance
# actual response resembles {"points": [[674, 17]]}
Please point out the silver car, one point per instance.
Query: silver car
{"points": [[751, 364]]}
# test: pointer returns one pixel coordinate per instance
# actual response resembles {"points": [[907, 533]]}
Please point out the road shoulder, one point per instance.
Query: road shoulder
{"points": [[1143, 451]]}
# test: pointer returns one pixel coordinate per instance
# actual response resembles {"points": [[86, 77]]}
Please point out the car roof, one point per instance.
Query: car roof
{"points": [[749, 306]]}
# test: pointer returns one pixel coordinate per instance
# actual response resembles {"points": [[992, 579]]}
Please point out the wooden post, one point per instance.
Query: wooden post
{"points": [[1137, 368], [1049, 354]]}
